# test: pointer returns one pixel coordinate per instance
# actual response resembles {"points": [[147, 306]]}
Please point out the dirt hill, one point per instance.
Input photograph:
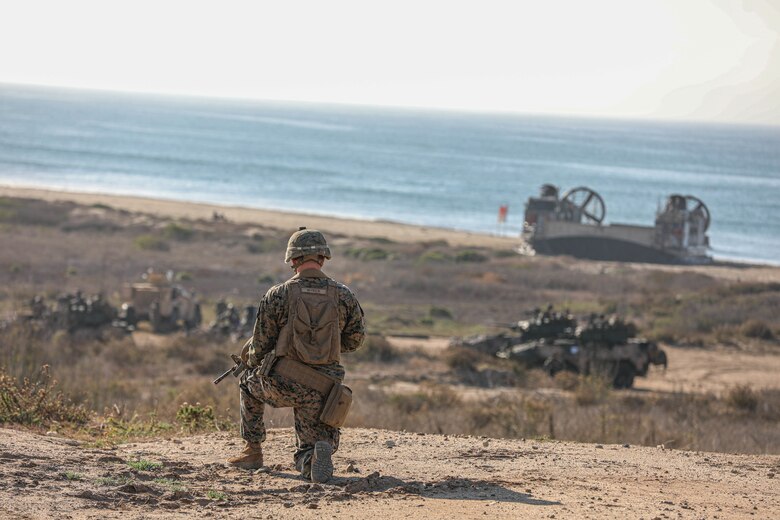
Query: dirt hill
{"points": [[380, 474]]}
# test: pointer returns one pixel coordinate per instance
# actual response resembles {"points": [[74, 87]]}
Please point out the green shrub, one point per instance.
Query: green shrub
{"points": [[469, 255], [117, 428], [144, 465], [381, 240], [367, 253], [265, 279], [184, 276], [175, 231], [151, 243], [113, 481], [171, 484], [195, 417], [436, 257], [37, 403], [440, 313]]}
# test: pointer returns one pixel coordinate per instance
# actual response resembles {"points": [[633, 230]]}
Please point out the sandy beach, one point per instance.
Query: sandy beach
{"points": [[364, 229], [274, 219]]}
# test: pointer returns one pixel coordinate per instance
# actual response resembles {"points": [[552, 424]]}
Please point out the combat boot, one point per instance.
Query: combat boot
{"points": [[321, 463], [251, 457]]}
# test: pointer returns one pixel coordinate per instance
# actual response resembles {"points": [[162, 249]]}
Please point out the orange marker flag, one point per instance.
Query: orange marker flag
{"points": [[502, 212]]}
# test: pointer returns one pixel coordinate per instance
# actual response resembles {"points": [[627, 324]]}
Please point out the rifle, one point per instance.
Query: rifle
{"points": [[236, 370]]}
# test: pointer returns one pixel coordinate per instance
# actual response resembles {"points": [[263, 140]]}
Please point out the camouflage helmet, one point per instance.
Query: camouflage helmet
{"points": [[305, 242]]}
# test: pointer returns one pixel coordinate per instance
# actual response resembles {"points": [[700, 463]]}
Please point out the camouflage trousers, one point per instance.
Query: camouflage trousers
{"points": [[258, 390]]}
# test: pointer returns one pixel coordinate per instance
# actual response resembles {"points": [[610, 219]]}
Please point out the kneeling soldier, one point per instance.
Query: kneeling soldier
{"points": [[303, 325]]}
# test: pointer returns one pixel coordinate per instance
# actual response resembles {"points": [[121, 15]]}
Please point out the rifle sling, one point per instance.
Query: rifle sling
{"points": [[303, 374]]}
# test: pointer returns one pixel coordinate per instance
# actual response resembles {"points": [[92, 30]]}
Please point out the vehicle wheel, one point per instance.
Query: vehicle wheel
{"points": [[197, 316], [173, 319], [625, 375], [130, 316], [552, 366], [155, 320]]}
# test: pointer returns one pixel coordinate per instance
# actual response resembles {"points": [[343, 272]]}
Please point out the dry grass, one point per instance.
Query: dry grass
{"points": [[681, 421], [37, 402], [137, 386]]}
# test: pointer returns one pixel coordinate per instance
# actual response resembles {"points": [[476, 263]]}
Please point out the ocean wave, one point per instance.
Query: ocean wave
{"points": [[675, 176], [296, 123]]}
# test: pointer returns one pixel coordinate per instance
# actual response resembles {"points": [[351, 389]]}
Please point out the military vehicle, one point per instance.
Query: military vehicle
{"points": [[574, 225], [165, 305], [229, 322], [605, 348], [542, 325], [71, 312]]}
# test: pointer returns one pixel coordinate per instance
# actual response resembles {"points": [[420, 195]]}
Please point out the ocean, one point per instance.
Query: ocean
{"points": [[432, 168]]}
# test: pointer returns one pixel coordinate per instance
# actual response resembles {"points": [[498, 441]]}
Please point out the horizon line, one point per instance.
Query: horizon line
{"points": [[399, 107]]}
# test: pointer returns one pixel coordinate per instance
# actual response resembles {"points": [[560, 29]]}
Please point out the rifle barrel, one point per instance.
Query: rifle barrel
{"points": [[223, 376]]}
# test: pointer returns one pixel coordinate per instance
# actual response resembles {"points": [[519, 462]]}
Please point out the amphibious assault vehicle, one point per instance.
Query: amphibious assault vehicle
{"points": [[572, 224]]}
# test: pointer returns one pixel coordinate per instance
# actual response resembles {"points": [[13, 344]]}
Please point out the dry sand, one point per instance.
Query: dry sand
{"points": [[399, 475], [273, 219]]}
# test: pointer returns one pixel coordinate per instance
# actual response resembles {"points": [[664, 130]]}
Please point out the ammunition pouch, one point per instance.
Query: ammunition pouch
{"points": [[337, 397], [267, 364], [334, 412]]}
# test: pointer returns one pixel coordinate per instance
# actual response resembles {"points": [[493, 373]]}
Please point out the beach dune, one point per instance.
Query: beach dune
{"points": [[395, 231]]}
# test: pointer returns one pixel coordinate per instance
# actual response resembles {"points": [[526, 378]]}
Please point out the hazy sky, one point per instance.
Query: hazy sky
{"points": [[682, 59]]}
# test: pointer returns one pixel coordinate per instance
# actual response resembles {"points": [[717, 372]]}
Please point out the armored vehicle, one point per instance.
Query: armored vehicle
{"points": [[619, 363], [542, 325], [165, 305], [606, 348], [573, 224], [71, 312]]}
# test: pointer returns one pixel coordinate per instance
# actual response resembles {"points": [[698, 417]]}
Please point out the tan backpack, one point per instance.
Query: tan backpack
{"points": [[312, 334]]}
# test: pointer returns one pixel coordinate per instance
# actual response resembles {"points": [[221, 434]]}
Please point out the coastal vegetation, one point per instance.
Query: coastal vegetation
{"points": [[108, 386]]}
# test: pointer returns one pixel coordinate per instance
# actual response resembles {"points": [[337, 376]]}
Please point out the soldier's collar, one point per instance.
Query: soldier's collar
{"points": [[310, 273]]}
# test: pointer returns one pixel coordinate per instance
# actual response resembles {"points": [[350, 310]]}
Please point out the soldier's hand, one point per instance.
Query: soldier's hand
{"points": [[245, 352]]}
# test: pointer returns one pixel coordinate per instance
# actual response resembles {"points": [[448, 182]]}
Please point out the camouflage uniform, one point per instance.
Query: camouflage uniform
{"points": [[257, 390]]}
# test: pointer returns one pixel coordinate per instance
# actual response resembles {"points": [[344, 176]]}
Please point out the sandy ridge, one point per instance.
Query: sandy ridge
{"points": [[274, 219]]}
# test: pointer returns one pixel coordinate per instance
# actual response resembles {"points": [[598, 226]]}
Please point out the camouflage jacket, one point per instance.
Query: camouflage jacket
{"points": [[274, 308]]}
